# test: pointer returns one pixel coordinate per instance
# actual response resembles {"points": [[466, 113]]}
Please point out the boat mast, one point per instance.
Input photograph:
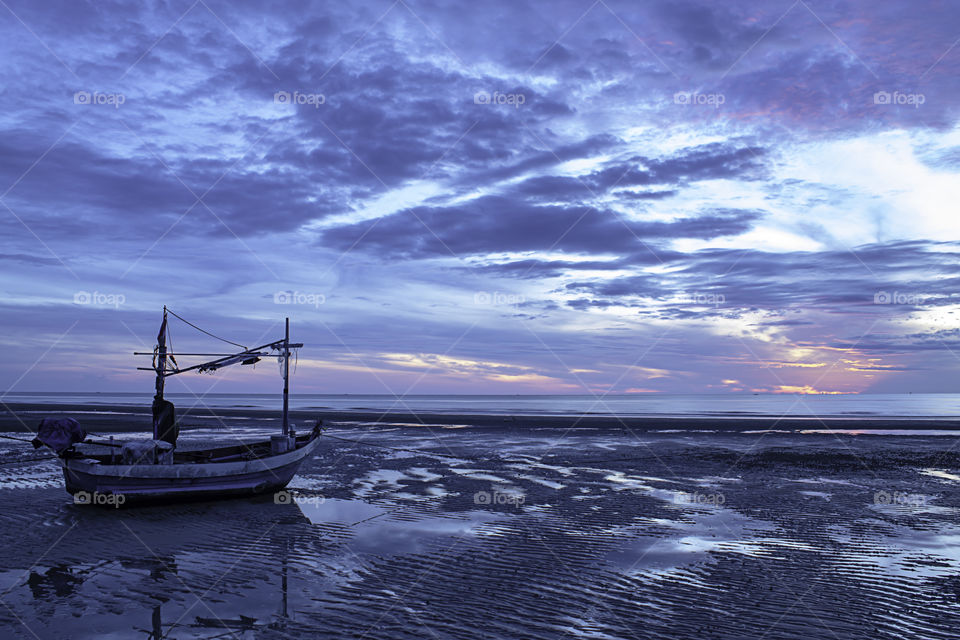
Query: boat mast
{"points": [[286, 377], [161, 367], [247, 356]]}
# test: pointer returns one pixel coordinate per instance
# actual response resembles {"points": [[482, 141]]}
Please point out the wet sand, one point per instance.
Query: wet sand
{"points": [[120, 418], [511, 533]]}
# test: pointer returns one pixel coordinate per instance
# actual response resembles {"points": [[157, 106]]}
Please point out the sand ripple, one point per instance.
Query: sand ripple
{"points": [[535, 538]]}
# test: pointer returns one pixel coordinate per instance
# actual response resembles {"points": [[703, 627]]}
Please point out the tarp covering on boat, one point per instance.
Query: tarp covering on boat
{"points": [[59, 434], [147, 452]]}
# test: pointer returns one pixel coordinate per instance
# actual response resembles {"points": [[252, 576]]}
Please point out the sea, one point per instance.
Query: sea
{"points": [[849, 406]]}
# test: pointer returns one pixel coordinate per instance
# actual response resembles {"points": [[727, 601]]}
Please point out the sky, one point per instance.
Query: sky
{"points": [[496, 197]]}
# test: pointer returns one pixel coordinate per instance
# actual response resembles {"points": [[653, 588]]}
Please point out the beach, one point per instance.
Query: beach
{"points": [[119, 418], [511, 529]]}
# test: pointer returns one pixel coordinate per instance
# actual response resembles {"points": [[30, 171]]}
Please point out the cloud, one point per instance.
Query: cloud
{"points": [[493, 224], [759, 229], [877, 279]]}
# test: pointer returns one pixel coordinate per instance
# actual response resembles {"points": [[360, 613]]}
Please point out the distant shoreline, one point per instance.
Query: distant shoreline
{"points": [[125, 418]]}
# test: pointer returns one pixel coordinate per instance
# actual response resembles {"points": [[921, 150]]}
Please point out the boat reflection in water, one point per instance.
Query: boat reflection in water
{"points": [[167, 571], [278, 622]]}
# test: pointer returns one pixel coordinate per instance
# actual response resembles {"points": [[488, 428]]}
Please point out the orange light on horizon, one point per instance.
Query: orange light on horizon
{"points": [[806, 390]]}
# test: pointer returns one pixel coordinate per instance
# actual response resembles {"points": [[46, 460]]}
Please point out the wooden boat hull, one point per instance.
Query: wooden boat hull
{"points": [[93, 482]]}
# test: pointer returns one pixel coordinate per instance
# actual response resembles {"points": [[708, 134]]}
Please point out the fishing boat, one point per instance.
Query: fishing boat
{"points": [[155, 470]]}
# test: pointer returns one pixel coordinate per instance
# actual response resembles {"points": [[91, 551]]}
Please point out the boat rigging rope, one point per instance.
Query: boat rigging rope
{"points": [[17, 439], [207, 332]]}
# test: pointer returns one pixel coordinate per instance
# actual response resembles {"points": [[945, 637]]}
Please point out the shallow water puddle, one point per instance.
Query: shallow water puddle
{"points": [[622, 481], [823, 481], [424, 474], [915, 553], [379, 480], [346, 512], [541, 481], [709, 529], [384, 531], [478, 474], [941, 474]]}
